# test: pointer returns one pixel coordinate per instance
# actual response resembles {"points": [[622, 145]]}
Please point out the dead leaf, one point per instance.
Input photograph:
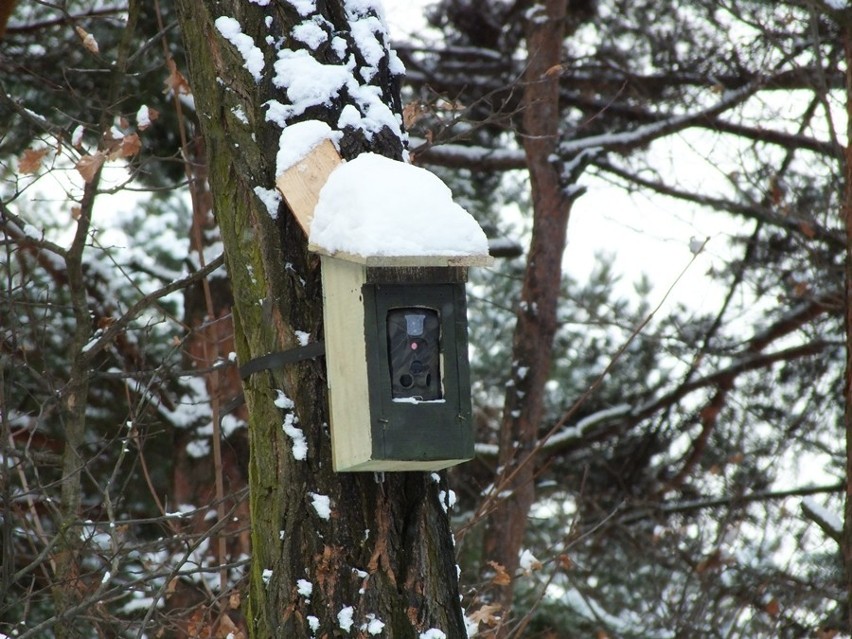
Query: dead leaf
{"points": [[88, 40], [88, 165], [487, 614], [501, 577], [801, 289], [171, 587], [807, 230], [773, 607], [30, 161], [412, 112], [227, 628], [234, 601], [76, 212], [565, 562], [176, 81], [554, 72], [130, 145], [713, 561]]}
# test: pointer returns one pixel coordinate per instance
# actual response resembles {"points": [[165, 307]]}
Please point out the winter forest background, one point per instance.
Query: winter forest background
{"points": [[647, 465]]}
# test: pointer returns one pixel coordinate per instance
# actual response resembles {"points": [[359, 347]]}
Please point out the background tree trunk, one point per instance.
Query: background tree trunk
{"points": [[846, 26], [385, 555], [536, 320]]}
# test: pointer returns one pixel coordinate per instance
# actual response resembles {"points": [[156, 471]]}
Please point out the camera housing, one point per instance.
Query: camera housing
{"points": [[397, 362]]}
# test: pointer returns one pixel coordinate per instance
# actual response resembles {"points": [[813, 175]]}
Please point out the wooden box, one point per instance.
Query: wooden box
{"points": [[396, 355]]}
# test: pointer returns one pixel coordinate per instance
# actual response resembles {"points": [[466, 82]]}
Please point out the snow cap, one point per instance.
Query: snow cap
{"points": [[373, 206]]}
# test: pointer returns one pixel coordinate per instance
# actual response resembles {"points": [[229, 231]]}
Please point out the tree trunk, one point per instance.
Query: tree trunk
{"points": [[536, 325], [847, 221], [385, 554]]}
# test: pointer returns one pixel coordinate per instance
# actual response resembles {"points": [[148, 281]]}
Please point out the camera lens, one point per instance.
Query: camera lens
{"points": [[406, 380]]}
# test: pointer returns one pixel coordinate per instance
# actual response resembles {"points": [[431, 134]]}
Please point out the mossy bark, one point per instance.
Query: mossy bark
{"points": [[387, 550]]}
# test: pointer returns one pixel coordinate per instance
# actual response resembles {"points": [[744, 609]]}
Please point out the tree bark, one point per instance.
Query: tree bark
{"points": [[846, 26], [385, 555], [536, 321]]}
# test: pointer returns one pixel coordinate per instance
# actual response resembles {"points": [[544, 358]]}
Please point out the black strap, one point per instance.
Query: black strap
{"points": [[273, 360], [282, 358]]}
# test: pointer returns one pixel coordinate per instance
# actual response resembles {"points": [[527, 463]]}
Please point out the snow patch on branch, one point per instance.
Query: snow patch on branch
{"points": [[303, 7], [305, 588], [373, 625], [300, 444], [252, 56], [369, 34], [825, 518], [322, 505], [361, 8], [344, 618], [307, 81], [310, 83], [310, 32], [271, 199]]}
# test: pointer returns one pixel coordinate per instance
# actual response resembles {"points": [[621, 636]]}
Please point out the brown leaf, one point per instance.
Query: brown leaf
{"points": [[801, 289], [487, 614], [807, 230], [773, 607], [30, 161], [412, 112], [227, 628], [88, 40], [554, 72], [501, 577], [88, 165], [713, 561], [76, 211], [130, 145], [565, 562], [176, 82]]}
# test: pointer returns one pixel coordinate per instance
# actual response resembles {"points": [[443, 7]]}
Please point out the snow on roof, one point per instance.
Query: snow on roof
{"points": [[298, 140], [375, 206]]}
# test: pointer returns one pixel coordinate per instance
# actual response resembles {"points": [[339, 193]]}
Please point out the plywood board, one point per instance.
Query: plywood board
{"points": [[346, 357], [300, 185]]}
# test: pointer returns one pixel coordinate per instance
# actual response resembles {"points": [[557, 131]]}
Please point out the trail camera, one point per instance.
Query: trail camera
{"points": [[396, 355], [395, 331]]}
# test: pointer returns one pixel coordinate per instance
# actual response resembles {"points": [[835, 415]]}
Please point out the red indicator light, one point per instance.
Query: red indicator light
{"points": [[414, 346]]}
